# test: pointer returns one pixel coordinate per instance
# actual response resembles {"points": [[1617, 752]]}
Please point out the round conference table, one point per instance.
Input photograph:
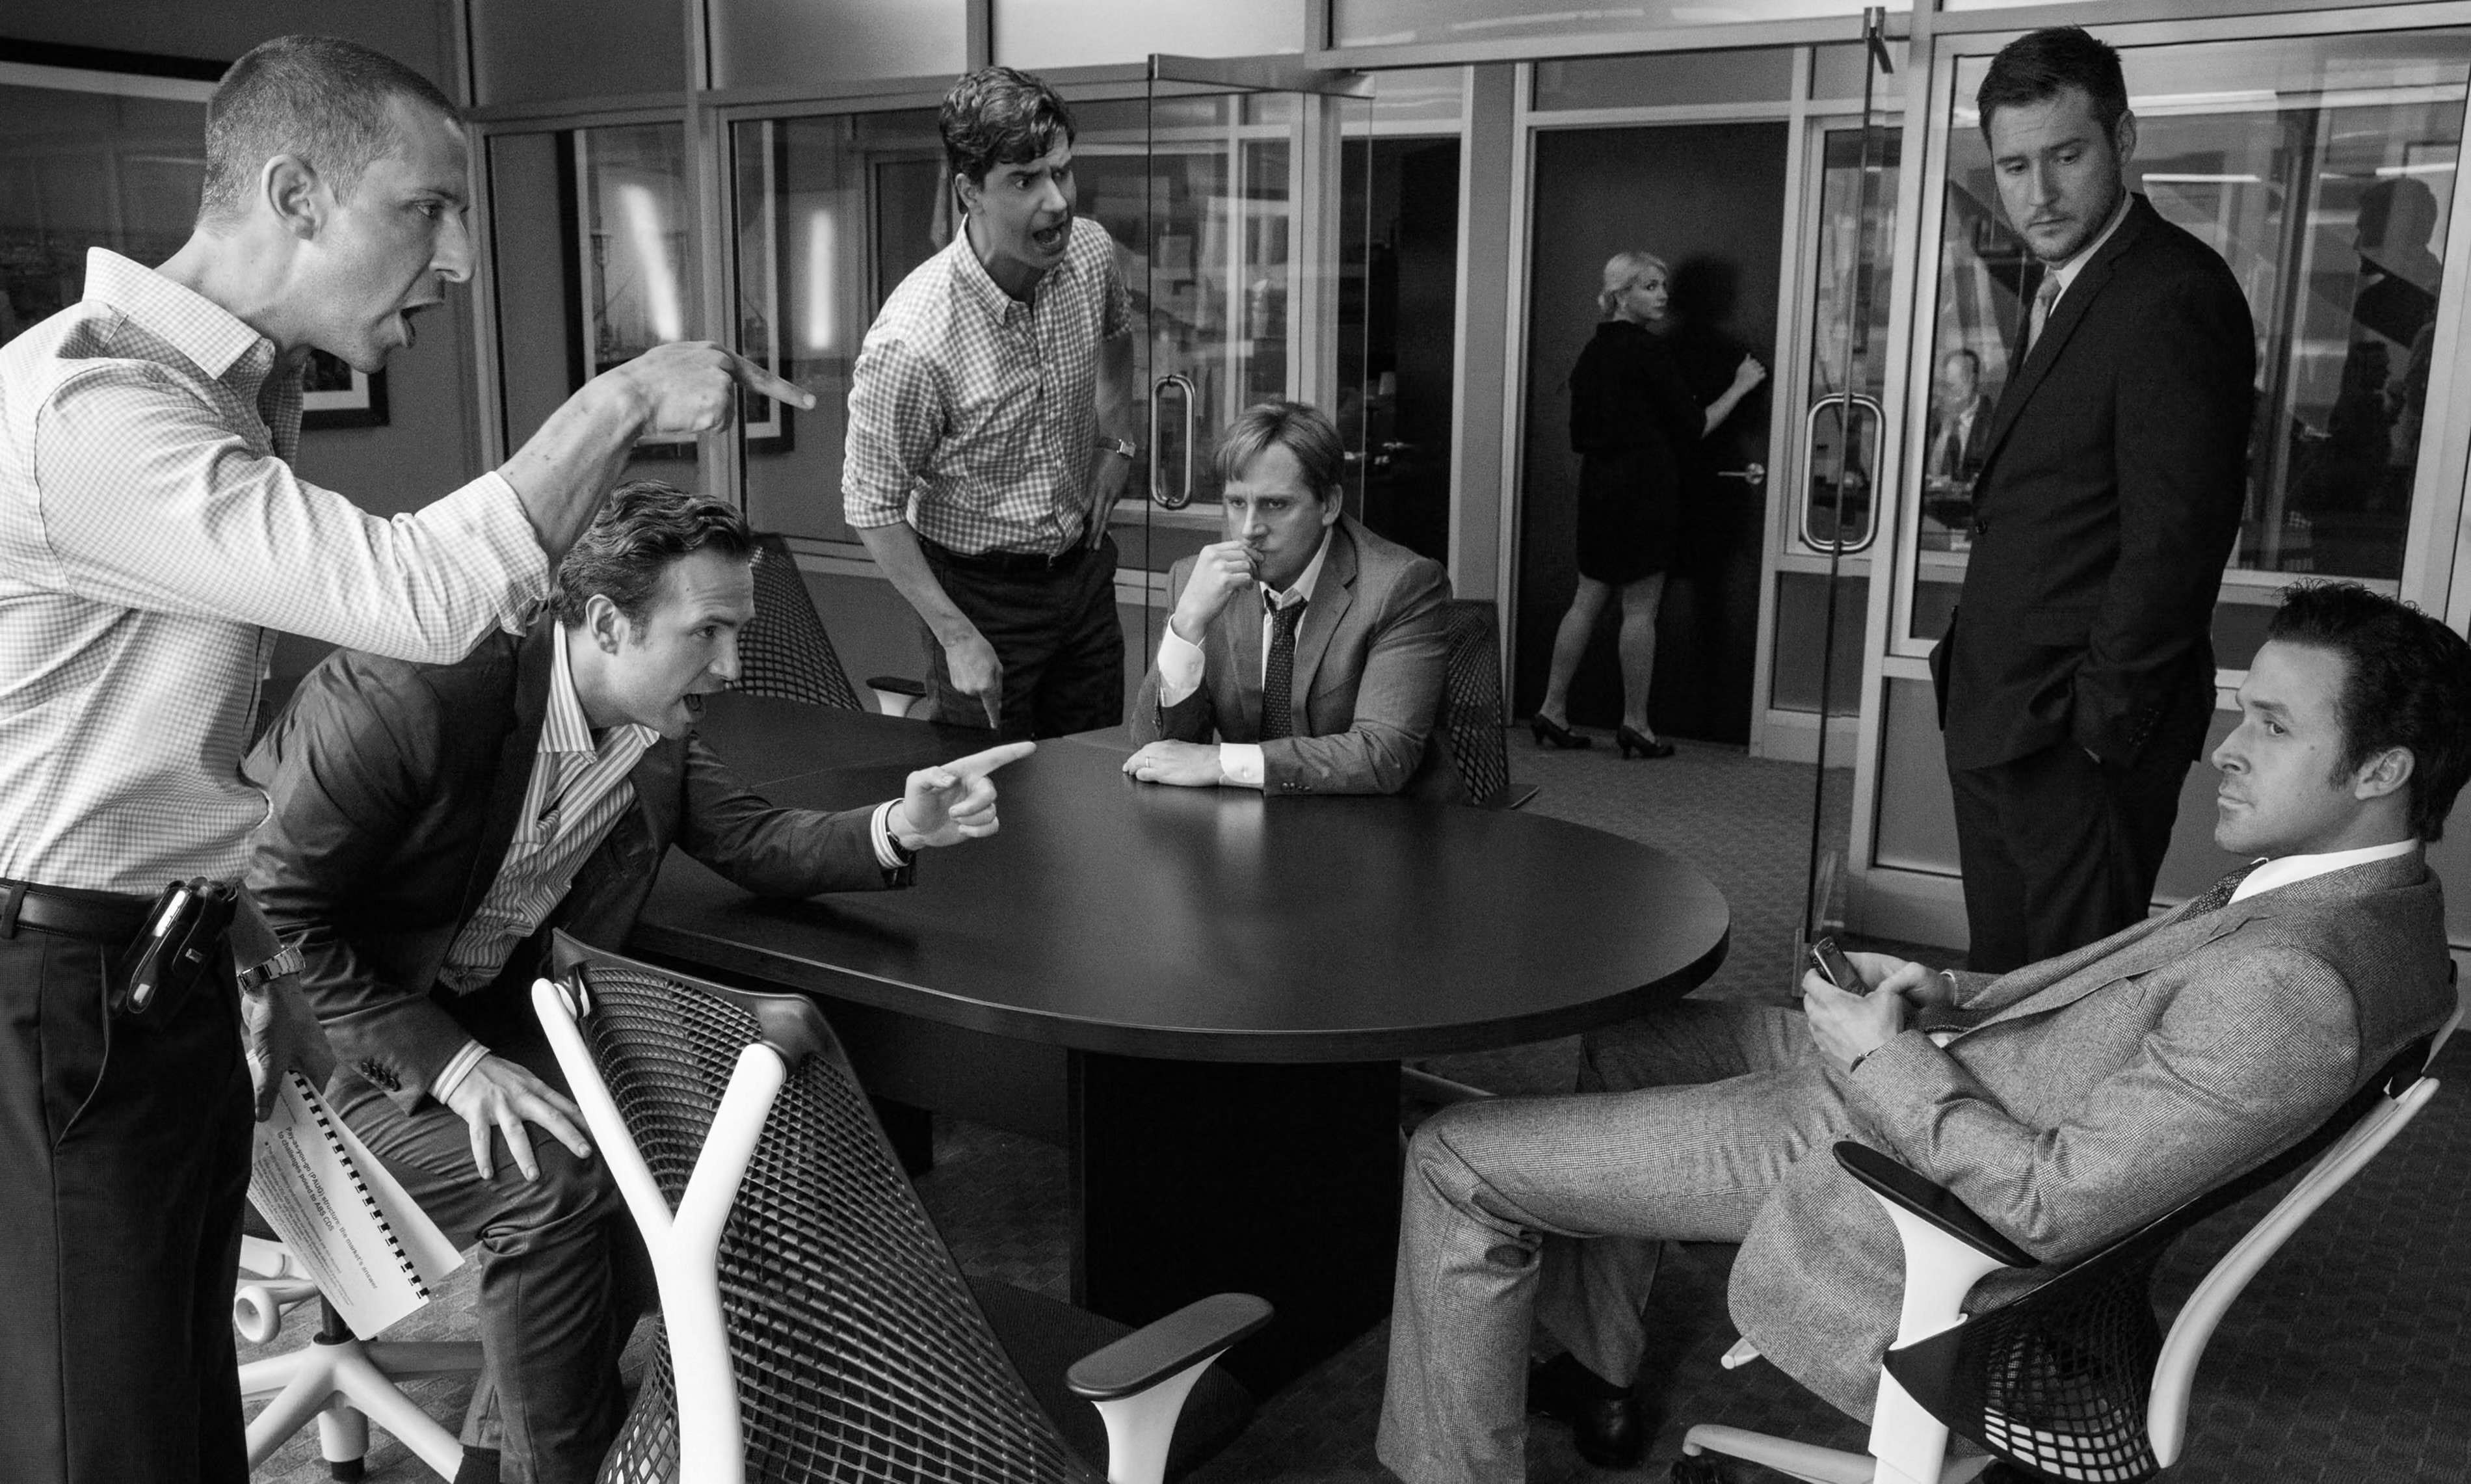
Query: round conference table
{"points": [[1202, 993]]}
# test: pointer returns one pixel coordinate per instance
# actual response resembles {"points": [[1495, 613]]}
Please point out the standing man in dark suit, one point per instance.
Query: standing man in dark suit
{"points": [[1960, 425], [429, 824], [1331, 680], [2077, 679]]}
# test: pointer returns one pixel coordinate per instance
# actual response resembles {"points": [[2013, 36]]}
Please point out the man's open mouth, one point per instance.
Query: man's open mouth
{"points": [[1050, 238]]}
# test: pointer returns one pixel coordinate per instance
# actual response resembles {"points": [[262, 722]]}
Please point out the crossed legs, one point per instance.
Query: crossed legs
{"points": [[1530, 1211]]}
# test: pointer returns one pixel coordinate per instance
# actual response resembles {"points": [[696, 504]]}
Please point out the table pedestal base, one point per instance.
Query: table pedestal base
{"points": [[1193, 1178]]}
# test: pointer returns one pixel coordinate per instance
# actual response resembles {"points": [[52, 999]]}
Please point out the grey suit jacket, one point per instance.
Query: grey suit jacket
{"points": [[1371, 660], [2089, 1094]]}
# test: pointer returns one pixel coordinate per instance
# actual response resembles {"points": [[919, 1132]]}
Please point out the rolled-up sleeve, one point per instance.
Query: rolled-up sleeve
{"points": [[148, 502], [896, 418]]}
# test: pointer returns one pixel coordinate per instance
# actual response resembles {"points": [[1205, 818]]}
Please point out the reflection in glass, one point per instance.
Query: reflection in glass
{"points": [[2322, 169], [632, 254], [1856, 267], [89, 169]]}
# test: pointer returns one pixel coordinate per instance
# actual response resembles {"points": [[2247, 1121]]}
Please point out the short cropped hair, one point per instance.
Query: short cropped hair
{"points": [[2039, 65], [1300, 428], [646, 527], [319, 98], [1621, 271], [1000, 116], [2406, 683]]}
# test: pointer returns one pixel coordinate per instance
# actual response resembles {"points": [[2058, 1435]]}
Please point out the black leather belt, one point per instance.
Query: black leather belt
{"points": [[96, 916], [1006, 561]]}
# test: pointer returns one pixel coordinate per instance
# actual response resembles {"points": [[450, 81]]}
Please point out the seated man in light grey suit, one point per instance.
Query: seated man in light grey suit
{"points": [[2067, 1103], [1350, 623]]}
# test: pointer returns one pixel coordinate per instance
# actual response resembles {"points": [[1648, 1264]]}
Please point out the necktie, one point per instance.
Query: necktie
{"points": [[2044, 298], [1279, 675], [2219, 896]]}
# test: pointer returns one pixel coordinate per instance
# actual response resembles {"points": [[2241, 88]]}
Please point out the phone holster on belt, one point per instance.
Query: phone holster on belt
{"points": [[184, 934]]}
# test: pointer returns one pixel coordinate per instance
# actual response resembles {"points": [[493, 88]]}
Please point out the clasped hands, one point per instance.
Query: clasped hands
{"points": [[1848, 1027]]}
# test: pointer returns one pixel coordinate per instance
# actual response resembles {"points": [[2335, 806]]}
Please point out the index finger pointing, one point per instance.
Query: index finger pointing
{"points": [[979, 764], [757, 379]]}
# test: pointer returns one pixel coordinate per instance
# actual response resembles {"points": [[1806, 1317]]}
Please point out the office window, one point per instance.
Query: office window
{"points": [[2322, 169]]}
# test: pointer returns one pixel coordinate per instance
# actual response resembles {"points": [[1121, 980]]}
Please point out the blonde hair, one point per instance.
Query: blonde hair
{"points": [[1621, 271]]}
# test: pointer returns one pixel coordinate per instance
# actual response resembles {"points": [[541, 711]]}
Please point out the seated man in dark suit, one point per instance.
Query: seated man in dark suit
{"points": [[2067, 1103], [429, 824], [1332, 680]]}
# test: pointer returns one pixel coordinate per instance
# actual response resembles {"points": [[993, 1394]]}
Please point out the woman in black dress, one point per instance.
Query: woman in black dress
{"points": [[1631, 418]]}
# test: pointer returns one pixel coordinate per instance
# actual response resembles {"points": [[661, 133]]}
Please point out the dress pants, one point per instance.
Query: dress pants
{"points": [[1057, 634], [1522, 1213], [2059, 851], [563, 1273], [123, 1162]]}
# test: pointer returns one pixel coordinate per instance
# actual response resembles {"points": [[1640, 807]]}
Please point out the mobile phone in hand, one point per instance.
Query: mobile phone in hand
{"points": [[1837, 969]]}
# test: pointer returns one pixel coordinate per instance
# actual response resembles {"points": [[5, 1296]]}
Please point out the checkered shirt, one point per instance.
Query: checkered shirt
{"points": [[577, 791], [975, 416], [151, 532]]}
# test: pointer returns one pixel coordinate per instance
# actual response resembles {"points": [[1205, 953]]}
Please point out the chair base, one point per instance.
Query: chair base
{"points": [[1805, 1461], [345, 1385]]}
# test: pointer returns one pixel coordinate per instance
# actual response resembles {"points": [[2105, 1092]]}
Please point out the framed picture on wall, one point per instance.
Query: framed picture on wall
{"points": [[334, 395]]}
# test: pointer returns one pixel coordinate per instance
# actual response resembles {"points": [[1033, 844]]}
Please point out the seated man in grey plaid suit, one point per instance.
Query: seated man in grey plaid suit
{"points": [[2066, 1102]]}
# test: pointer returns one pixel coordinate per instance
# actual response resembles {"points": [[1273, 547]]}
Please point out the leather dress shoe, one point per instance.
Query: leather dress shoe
{"points": [[1605, 1421]]}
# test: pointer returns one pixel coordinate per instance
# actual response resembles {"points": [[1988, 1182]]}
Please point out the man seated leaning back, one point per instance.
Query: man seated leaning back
{"points": [[2067, 1103], [429, 824], [1331, 680]]}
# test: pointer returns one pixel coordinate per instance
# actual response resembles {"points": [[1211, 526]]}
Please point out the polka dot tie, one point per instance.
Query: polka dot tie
{"points": [[1279, 675]]}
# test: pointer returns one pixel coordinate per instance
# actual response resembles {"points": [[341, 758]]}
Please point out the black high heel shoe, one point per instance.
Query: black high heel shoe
{"points": [[1550, 732], [1631, 742]]}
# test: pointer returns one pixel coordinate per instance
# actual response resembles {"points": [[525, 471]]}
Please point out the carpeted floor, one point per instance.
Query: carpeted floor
{"points": [[2347, 1362]]}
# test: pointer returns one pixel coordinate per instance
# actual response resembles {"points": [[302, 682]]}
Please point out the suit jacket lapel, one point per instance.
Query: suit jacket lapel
{"points": [[515, 759], [2070, 313], [1333, 595]]}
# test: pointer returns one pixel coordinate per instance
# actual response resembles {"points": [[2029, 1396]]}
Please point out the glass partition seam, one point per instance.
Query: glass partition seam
{"points": [[2431, 559], [1665, 114], [1790, 368], [1514, 386], [558, 113], [1527, 51]]}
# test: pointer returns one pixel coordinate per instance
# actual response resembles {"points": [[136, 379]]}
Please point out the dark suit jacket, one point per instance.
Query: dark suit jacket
{"points": [[1975, 445], [1372, 656], [2091, 1093], [2106, 506], [393, 792]]}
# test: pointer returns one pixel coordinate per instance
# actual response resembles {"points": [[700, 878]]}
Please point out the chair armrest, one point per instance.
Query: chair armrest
{"points": [[1166, 1346], [1901, 1185]]}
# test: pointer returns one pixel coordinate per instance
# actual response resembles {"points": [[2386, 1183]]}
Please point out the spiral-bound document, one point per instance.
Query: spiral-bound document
{"points": [[373, 1252]]}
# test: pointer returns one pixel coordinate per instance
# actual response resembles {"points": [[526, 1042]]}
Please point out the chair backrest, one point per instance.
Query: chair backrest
{"points": [[1473, 711], [784, 652], [859, 1351], [2069, 1380]]}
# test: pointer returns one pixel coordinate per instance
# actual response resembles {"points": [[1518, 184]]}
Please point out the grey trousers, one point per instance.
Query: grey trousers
{"points": [[1528, 1212], [563, 1274]]}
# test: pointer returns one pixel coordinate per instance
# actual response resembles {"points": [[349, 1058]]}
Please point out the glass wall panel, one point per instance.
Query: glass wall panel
{"points": [[1664, 79], [2322, 169], [761, 42], [593, 248], [1035, 34], [832, 213], [529, 51], [1406, 22]]}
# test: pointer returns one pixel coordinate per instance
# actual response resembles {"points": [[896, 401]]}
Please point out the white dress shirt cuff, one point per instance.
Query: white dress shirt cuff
{"points": [[1239, 764], [888, 852], [1180, 662], [451, 1076]]}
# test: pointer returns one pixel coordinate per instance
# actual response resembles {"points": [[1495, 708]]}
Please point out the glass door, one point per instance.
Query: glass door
{"points": [[1238, 268]]}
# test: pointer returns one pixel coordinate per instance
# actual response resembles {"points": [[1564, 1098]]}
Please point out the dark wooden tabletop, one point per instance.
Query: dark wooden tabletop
{"points": [[1198, 924]]}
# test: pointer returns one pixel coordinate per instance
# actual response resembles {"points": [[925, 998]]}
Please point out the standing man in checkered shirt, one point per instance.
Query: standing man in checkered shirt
{"points": [[152, 535], [987, 438]]}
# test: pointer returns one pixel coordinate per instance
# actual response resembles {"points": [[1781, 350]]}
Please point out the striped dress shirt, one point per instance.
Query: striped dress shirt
{"points": [[151, 534], [973, 415], [578, 789]]}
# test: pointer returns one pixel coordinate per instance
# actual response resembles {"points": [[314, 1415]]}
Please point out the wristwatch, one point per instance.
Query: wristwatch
{"points": [[1122, 448]]}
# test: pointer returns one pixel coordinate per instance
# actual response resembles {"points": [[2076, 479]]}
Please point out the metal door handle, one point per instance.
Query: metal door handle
{"points": [[1754, 475], [1157, 491]]}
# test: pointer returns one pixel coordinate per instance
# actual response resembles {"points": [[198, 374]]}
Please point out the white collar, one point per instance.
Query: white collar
{"points": [[2285, 870], [1301, 590], [2066, 272]]}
